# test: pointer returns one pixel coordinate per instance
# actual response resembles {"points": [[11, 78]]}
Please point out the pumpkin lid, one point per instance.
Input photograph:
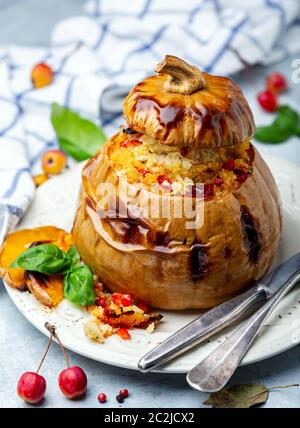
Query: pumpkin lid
{"points": [[183, 106]]}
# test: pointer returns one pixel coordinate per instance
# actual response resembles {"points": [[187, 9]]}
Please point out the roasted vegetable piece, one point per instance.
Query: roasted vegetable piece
{"points": [[19, 241], [48, 289], [131, 320]]}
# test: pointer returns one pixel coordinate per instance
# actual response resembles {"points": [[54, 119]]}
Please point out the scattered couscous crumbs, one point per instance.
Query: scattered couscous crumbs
{"points": [[97, 331], [151, 327]]}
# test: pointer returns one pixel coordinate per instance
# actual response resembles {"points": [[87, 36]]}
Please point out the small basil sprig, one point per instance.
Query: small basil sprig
{"points": [[285, 125], [78, 137], [50, 260]]}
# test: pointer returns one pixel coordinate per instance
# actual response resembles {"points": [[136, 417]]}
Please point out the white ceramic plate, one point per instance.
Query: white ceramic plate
{"points": [[55, 204]]}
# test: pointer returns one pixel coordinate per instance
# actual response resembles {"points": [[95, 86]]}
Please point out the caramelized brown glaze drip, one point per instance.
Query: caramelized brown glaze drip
{"points": [[169, 116], [206, 120], [251, 235], [133, 231], [128, 231], [199, 261]]}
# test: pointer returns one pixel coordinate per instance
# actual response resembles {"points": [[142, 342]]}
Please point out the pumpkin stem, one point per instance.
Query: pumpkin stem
{"points": [[183, 77]]}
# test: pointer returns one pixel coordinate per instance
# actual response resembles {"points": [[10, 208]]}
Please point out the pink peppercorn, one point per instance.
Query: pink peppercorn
{"points": [[102, 397]]}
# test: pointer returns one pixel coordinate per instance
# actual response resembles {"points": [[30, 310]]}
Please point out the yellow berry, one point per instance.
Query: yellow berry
{"points": [[41, 75], [39, 179], [54, 161]]}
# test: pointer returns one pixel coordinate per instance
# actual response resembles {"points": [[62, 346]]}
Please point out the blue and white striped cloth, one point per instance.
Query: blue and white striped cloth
{"points": [[97, 56]]}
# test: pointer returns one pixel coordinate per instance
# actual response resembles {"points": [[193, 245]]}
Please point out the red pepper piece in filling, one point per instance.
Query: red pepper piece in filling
{"points": [[219, 181], [101, 301], [208, 191], [129, 142], [143, 172], [229, 165], [241, 175], [164, 181]]}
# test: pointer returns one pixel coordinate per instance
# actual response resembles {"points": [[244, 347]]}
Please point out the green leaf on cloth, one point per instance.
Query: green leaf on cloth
{"points": [[78, 137], [285, 125]]}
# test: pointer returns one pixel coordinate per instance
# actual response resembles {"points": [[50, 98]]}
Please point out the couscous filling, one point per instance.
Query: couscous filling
{"points": [[176, 169]]}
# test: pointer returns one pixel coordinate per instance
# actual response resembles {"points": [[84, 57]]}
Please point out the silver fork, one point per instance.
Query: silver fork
{"points": [[212, 374]]}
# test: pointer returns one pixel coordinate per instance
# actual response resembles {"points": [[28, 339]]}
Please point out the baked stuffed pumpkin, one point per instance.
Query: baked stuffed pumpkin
{"points": [[184, 127]]}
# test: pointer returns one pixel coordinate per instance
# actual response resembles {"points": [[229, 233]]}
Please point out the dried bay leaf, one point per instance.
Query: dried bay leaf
{"points": [[239, 396], [242, 396]]}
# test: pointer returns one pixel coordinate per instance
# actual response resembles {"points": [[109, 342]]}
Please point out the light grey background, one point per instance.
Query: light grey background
{"points": [[29, 22], [21, 346]]}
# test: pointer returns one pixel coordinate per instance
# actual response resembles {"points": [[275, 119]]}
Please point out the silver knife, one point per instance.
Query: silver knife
{"points": [[220, 317], [213, 373]]}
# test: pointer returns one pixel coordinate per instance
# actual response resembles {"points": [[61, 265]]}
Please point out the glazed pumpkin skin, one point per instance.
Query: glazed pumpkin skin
{"points": [[159, 260], [167, 266]]}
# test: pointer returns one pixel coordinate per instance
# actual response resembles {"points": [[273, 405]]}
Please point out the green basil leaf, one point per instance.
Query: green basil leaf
{"points": [[75, 152], [44, 258], [74, 256], [297, 131], [287, 119], [272, 134], [78, 137], [284, 126], [79, 286]]}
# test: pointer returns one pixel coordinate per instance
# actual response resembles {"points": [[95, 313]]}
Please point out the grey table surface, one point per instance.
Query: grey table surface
{"points": [[30, 22]]}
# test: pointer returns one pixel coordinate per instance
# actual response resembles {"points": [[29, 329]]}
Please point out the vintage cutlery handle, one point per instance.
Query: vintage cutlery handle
{"points": [[201, 328], [216, 369]]}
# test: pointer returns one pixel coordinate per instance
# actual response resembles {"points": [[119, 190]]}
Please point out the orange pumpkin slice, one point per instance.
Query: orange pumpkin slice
{"points": [[48, 289], [19, 241]]}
